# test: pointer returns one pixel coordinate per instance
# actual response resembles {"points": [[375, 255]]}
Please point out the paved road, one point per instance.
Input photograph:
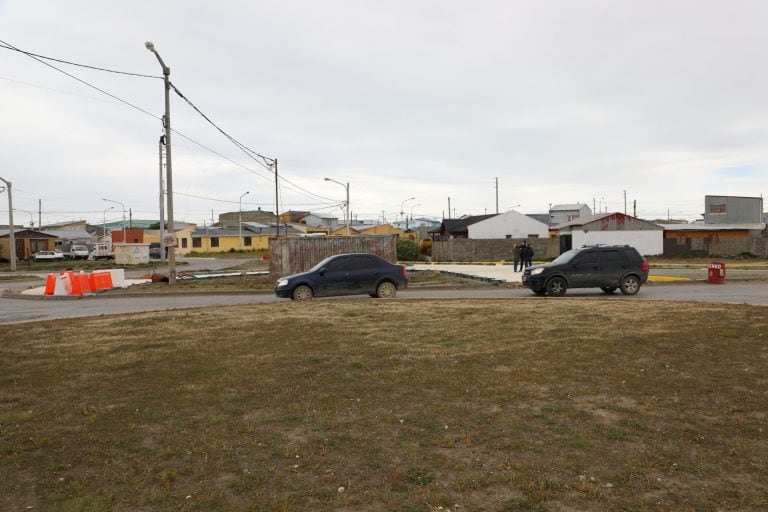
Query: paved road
{"points": [[13, 310]]}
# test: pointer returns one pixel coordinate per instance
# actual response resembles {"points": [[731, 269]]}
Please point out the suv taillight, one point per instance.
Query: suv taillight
{"points": [[405, 274], [644, 266]]}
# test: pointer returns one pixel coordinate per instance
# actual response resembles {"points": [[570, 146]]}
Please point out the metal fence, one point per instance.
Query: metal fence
{"points": [[289, 255]]}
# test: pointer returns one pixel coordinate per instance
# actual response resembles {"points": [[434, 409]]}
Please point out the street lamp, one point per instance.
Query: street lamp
{"points": [[168, 169], [240, 219], [31, 216], [104, 223], [11, 234], [401, 207], [406, 219], [346, 187], [121, 204], [513, 206]]}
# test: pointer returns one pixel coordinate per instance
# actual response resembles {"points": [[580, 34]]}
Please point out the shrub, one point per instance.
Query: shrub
{"points": [[425, 248], [407, 250]]}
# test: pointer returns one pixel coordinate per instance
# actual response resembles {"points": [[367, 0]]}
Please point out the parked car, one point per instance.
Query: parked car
{"points": [[155, 251], [48, 256], [345, 274], [599, 266]]}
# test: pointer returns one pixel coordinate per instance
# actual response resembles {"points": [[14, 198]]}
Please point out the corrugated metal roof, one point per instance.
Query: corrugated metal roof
{"points": [[561, 207], [608, 222], [712, 227]]}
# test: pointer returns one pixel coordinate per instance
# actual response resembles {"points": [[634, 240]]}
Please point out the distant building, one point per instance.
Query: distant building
{"points": [[232, 219], [733, 210], [611, 229], [457, 228], [508, 225], [561, 213]]}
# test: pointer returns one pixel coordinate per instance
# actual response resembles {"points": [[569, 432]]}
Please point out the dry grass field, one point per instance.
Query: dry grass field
{"points": [[493, 405]]}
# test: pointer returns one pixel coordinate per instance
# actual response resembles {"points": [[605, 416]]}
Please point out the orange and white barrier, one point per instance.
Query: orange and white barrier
{"points": [[101, 280], [54, 285], [69, 283]]}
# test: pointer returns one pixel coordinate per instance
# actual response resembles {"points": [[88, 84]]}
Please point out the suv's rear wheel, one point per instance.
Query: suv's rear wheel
{"points": [[630, 285], [556, 287], [608, 289]]}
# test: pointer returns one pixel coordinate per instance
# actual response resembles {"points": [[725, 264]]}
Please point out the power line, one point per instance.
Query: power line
{"points": [[41, 61], [262, 160], [266, 161], [9, 46]]}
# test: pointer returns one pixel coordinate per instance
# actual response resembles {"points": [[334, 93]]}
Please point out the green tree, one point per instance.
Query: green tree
{"points": [[407, 250]]}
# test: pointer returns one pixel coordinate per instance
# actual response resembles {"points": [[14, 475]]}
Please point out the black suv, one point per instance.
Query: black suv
{"points": [[599, 266]]}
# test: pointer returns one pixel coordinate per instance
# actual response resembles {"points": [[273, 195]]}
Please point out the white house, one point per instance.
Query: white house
{"points": [[612, 229], [561, 213], [511, 224]]}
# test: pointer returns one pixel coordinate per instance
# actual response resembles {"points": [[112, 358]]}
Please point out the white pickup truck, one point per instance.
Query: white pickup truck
{"points": [[101, 252], [76, 252]]}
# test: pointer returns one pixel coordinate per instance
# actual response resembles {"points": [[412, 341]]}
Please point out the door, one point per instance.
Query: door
{"points": [[566, 243], [21, 252], [333, 278], [363, 274], [613, 266], [585, 270]]}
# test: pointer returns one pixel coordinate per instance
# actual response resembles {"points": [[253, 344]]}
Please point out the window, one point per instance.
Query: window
{"points": [[197, 242], [183, 243], [612, 257], [338, 265], [717, 209], [362, 263], [214, 241], [38, 245], [588, 258], [247, 241]]}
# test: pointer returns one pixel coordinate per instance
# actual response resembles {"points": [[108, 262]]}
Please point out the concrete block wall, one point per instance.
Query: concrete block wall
{"points": [[466, 249]]}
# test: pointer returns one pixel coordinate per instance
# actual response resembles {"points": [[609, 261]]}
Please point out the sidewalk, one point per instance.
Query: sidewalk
{"points": [[493, 271]]}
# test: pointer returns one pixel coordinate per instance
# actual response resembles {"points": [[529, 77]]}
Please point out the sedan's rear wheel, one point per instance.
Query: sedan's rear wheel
{"points": [[386, 290], [608, 289], [556, 287], [302, 293], [630, 285]]}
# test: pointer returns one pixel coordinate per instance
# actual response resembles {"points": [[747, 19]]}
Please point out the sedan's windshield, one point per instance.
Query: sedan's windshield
{"points": [[565, 257]]}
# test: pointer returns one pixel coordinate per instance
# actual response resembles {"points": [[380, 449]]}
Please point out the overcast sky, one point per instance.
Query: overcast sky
{"points": [[562, 101]]}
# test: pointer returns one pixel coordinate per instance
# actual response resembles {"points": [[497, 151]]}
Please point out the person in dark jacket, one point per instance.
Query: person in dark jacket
{"points": [[527, 255], [517, 256]]}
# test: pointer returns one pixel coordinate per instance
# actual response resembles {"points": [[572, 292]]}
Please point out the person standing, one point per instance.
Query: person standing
{"points": [[528, 255], [517, 254]]}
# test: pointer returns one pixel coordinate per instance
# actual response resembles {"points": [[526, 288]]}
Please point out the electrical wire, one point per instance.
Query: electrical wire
{"points": [[266, 162], [9, 46]]}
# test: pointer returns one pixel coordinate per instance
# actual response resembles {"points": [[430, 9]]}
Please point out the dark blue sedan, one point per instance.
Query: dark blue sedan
{"points": [[345, 274]]}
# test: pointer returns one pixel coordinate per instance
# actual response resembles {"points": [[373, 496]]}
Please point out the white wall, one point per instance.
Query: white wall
{"points": [[648, 243], [511, 224]]}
